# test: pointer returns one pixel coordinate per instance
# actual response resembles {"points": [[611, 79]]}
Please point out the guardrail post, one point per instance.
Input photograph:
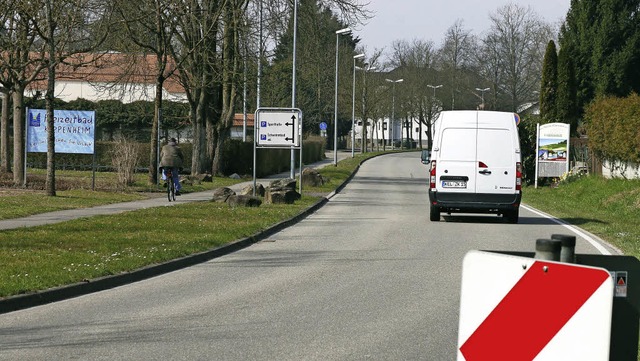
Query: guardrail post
{"points": [[548, 249], [568, 247]]}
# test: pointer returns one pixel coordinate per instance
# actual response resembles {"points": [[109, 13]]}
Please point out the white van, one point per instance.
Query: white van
{"points": [[475, 164]]}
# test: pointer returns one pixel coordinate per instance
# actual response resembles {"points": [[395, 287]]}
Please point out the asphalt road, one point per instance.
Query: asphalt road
{"points": [[367, 276]]}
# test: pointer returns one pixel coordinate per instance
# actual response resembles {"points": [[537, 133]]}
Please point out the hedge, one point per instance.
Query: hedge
{"points": [[613, 125], [237, 157]]}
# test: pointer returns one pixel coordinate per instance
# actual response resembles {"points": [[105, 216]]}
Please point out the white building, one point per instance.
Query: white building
{"points": [[381, 130], [114, 76]]}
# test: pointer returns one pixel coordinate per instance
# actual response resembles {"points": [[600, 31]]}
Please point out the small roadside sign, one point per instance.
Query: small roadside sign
{"points": [[278, 127]]}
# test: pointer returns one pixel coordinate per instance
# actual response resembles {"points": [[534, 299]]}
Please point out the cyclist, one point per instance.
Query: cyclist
{"points": [[171, 157]]}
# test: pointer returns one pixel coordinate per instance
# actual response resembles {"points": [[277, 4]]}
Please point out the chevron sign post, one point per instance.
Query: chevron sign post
{"points": [[516, 308]]}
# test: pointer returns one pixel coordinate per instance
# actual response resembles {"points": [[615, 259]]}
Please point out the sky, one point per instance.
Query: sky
{"points": [[430, 19]]}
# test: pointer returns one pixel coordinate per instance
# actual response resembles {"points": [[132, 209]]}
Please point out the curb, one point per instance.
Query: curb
{"points": [[21, 302]]}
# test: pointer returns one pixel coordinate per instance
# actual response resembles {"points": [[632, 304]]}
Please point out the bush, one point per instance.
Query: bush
{"points": [[612, 126], [124, 158]]}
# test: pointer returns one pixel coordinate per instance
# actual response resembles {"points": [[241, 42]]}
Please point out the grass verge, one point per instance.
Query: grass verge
{"points": [[49, 256], [608, 208]]}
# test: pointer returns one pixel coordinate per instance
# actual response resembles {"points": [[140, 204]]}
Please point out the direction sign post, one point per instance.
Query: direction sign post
{"points": [[277, 128]]}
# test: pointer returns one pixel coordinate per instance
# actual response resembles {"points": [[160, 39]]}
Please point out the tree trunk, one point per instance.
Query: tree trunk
{"points": [[18, 136], [4, 134], [199, 136], [49, 98], [157, 121], [230, 69]]}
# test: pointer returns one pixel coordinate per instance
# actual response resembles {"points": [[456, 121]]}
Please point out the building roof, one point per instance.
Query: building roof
{"points": [[238, 119], [115, 68]]}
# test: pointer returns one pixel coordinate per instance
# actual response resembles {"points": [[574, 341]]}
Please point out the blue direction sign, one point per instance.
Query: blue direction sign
{"points": [[278, 127], [323, 126]]}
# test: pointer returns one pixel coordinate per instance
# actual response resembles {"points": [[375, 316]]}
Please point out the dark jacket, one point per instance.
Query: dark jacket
{"points": [[171, 156]]}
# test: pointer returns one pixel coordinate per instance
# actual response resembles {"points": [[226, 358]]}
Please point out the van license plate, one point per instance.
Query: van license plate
{"points": [[454, 184]]}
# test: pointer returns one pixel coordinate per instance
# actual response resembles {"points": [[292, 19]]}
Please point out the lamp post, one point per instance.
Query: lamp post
{"points": [[434, 87], [393, 110], [353, 106], [482, 94], [293, 89], [344, 31], [365, 122]]}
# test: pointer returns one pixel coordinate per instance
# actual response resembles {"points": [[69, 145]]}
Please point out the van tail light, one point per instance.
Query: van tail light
{"points": [[518, 176], [432, 175]]}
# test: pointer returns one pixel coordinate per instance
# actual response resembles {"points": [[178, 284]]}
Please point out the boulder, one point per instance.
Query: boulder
{"points": [[235, 176], [220, 195], [281, 195], [248, 190], [312, 178], [241, 200], [283, 183]]}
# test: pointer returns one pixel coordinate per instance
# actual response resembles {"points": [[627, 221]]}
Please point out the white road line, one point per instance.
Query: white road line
{"points": [[573, 229]]}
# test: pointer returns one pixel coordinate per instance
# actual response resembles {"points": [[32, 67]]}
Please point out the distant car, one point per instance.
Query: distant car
{"points": [[425, 156]]}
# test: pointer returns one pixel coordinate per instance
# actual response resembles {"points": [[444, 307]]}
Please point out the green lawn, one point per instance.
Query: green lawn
{"points": [[608, 208], [42, 257]]}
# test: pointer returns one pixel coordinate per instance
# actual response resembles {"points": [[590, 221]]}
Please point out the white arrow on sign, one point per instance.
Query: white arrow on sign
{"points": [[516, 308]]}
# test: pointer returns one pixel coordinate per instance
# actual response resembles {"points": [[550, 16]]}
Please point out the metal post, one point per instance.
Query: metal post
{"points": [[244, 93], [293, 82], [568, 247], [259, 64], [353, 106], [393, 113], [548, 249], [482, 90], [344, 31]]}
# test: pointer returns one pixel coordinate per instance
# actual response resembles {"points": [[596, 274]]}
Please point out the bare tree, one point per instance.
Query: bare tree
{"points": [[68, 29], [415, 62], [233, 17], [197, 53], [42, 34], [4, 131], [149, 26], [516, 41], [21, 65], [454, 57]]}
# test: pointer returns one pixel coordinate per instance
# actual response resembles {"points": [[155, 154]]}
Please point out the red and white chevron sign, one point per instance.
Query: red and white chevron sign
{"points": [[523, 309]]}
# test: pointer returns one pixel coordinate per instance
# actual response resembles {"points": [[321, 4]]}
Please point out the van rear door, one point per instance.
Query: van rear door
{"points": [[496, 154], [456, 168]]}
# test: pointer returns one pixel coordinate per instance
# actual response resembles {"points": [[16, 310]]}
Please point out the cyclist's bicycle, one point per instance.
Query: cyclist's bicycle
{"points": [[171, 186]]}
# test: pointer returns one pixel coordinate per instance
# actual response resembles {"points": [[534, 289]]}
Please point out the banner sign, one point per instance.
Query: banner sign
{"points": [[552, 150], [74, 131]]}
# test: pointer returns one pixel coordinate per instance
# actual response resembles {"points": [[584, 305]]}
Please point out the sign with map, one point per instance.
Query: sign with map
{"points": [[552, 150]]}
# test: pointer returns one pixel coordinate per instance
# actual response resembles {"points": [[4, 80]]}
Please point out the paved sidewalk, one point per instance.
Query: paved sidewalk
{"points": [[62, 216]]}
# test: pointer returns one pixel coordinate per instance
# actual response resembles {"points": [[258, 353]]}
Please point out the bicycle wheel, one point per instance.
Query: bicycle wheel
{"points": [[171, 193]]}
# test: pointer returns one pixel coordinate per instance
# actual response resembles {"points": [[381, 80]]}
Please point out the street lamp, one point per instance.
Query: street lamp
{"points": [[344, 31], [363, 137], [393, 110], [434, 87], [353, 106], [482, 94]]}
